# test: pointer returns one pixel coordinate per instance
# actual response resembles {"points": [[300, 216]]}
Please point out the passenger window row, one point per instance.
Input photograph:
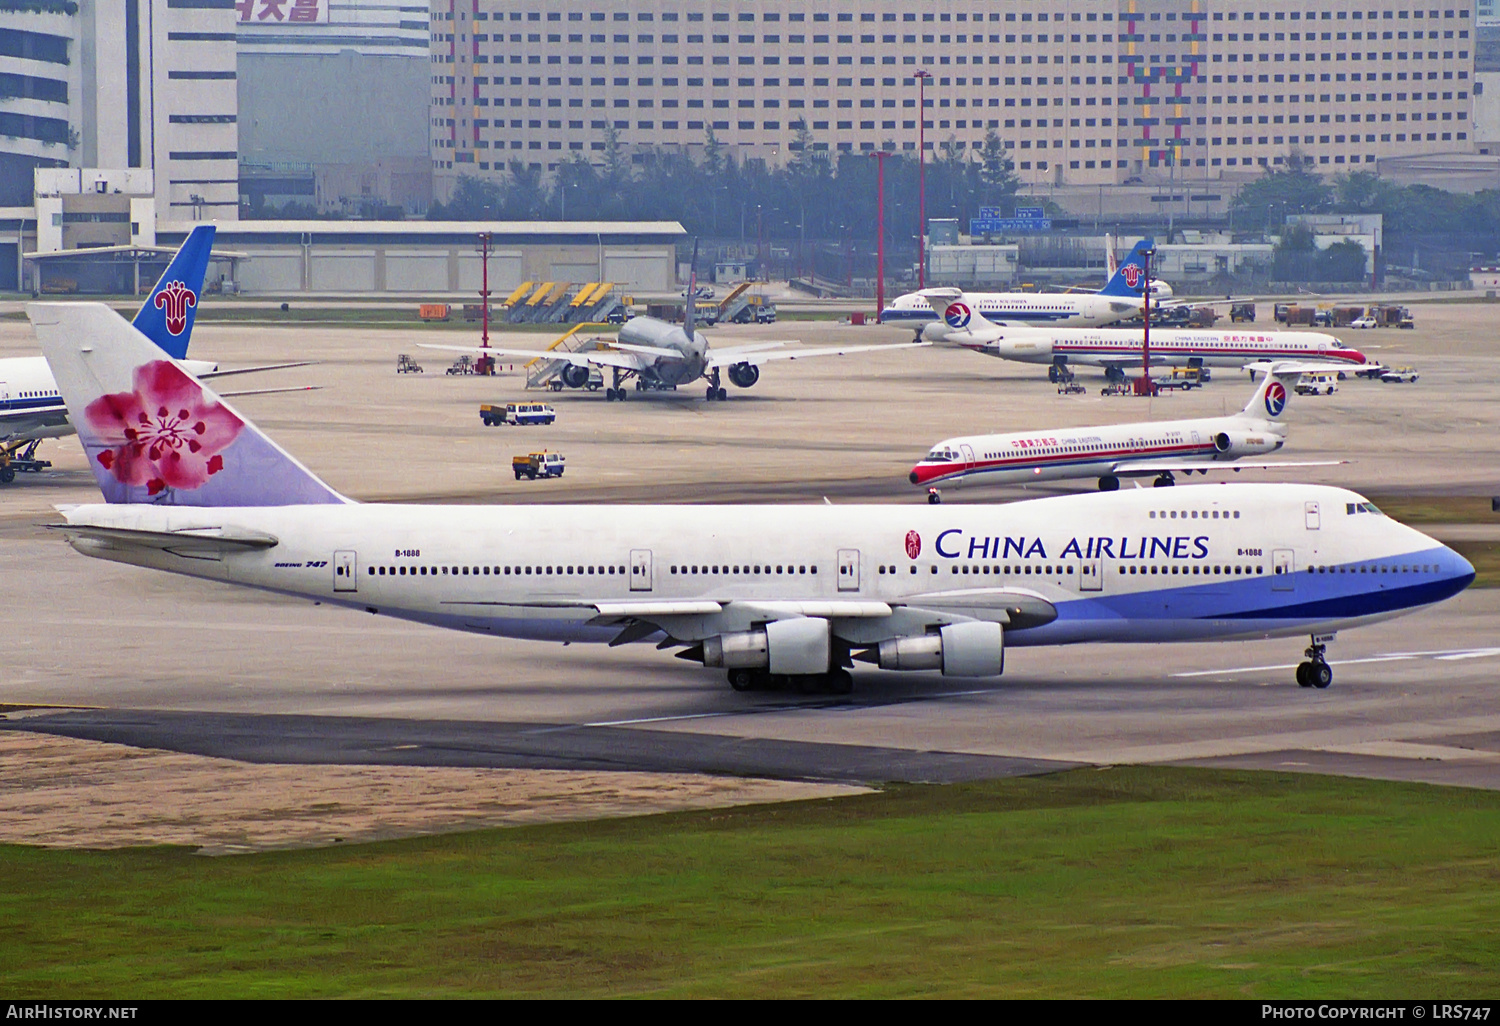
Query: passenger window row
{"points": [[1198, 570], [741, 570], [1377, 568], [1194, 515], [477, 571], [1014, 571]]}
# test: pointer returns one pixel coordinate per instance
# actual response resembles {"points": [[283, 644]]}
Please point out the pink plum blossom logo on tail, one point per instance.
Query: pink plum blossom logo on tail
{"points": [[173, 301], [164, 434]]}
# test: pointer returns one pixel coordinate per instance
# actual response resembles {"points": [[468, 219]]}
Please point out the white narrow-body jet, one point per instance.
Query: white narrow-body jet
{"points": [[1109, 452]]}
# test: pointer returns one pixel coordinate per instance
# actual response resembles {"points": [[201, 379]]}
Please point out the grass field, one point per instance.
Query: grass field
{"points": [[1116, 882]]}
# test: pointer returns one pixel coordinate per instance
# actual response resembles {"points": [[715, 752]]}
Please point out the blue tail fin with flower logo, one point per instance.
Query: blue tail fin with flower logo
{"points": [[167, 315], [152, 432]]}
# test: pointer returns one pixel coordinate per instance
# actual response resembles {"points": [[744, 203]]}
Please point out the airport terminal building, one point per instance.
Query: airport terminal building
{"points": [[1082, 92]]}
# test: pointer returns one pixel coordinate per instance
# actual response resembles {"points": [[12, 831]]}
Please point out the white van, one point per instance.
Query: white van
{"points": [[1318, 383]]}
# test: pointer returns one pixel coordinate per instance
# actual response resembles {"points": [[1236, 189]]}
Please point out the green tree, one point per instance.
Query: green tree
{"points": [[997, 172], [1291, 189]]}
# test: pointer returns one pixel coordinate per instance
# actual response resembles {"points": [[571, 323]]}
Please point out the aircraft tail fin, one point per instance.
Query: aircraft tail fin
{"points": [[958, 311], [690, 306], [167, 315], [152, 432], [1272, 392], [1129, 279]]}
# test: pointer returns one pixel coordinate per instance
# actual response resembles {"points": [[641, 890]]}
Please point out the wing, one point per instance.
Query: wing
{"points": [[730, 357], [251, 370], [591, 357], [1148, 468], [753, 348]]}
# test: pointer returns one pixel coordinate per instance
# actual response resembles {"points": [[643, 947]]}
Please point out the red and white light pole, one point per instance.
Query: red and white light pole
{"points": [[880, 156], [486, 363], [921, 77]]}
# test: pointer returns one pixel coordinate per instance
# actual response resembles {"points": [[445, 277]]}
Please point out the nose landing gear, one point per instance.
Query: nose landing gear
{"points": [[1315, 673], [934, 497]]}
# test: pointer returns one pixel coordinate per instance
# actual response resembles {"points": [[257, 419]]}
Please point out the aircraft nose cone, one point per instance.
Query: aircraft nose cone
{"points": [[914, 477]]}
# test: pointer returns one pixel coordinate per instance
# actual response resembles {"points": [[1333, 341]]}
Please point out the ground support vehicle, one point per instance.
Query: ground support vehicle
{"points": [[1071, 388], [523, 414], [1320, 383], [1396, 375], [463, 365], [406, 365], [1242, 312], [538, 464], [1371, 371], [19, 457], [1364, 322]]}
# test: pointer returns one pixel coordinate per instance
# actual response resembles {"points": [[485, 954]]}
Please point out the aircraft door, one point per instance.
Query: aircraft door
{"points": [[1090, 576], [1314, 520], [968, 454], [640, 569], [345, 570], [1283, 577], [848, 569]]}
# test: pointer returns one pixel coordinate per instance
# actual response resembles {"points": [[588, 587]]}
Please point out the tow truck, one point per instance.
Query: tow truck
{"points": [[537, 464]]}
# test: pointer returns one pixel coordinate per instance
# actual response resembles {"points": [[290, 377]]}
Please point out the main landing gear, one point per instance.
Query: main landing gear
{"points": [[617, 391], [834, 682], [1164, 480], [714, 391], [1315, 673]]}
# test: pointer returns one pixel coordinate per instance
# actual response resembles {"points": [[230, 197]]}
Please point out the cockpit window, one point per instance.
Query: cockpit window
{"points": [[1351, 508], [941, 456]]}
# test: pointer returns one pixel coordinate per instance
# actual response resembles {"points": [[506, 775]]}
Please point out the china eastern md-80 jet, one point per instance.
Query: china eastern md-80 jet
{"points": [[772, 594], [1119, 300], [1119, 350], [1110, 452]]}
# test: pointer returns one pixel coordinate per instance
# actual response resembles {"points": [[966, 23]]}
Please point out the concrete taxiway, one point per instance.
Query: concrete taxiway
{"points": [[159, 661]]}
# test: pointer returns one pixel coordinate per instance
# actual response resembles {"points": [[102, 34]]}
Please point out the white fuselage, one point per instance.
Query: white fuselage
{"points": [[1095, 451], [668, 371], [1232, 561], [1122, 347], [1040, 308]]}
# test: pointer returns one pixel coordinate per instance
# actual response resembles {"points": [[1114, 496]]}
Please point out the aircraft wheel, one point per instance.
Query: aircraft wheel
{"points": [[1164, 481], [1304, 679], [1109, 483], [840, 682], [713, 393], [742, 680], [723, 394], [934, 497], [1321, 674], [7, 474]]}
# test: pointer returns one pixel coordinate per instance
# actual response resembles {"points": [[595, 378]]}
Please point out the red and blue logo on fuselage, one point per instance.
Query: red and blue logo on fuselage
{"points": [[957, 315]]}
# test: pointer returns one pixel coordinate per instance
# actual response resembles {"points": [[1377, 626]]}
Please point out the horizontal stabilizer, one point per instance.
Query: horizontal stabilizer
{"points": [[271, 391], [219, 539], [205, 375]]}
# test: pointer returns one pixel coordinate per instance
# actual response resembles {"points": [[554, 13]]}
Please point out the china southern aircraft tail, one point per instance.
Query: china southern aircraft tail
{"points": [[152, 432], [1129, 278], [167, 315]]}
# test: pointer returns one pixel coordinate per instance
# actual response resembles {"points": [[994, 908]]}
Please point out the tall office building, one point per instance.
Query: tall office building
{"points": [[333, 105], [1082, 92], [123, 85]]}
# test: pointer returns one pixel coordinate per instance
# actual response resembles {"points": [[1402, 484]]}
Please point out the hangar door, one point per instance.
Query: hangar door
{"points": [[344, 271], [579, 274], [416, 270], [639, 269], [505, 272], [271, 270]]}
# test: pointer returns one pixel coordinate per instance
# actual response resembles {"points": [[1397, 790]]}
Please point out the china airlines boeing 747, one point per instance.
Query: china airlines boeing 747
{"points": [[763, 592]]}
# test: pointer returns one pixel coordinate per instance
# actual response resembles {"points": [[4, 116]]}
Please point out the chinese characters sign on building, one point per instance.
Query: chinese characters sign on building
{"points": [[282, 12]]}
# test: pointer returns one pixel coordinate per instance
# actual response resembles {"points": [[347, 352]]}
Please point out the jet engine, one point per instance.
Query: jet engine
{"points": [[974, 649], [797, 646], [575, 375], [744, 374], [1238, 443]]}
